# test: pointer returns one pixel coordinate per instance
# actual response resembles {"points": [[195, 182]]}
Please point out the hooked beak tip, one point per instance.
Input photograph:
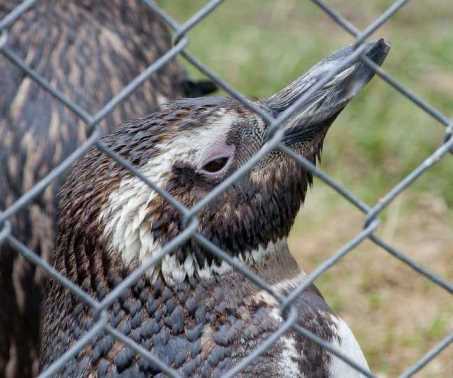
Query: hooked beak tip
{"points": [[378, 51], [327, 88], [342, 86]]}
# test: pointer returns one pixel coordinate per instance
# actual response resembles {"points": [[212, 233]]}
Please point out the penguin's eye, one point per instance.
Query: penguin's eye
{"points": [[216, 158], [215, 165]]}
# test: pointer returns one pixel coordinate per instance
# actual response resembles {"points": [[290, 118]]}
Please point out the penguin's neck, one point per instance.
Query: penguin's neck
{"points": [[273, 263]]}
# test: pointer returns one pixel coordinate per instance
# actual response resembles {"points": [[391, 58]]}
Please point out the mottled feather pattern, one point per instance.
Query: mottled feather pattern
{"points": [[190, 309], [199, 328], [250, 216]]}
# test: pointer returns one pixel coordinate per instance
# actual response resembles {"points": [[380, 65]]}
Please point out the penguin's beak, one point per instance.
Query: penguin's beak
{"points": [[323, 105]]}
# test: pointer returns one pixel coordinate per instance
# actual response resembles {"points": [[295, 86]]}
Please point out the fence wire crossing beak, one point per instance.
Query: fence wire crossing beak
{"points": [[336, 89]]}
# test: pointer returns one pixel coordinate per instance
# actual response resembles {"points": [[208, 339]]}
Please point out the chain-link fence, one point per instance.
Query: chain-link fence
{"points": [[371, 214]]}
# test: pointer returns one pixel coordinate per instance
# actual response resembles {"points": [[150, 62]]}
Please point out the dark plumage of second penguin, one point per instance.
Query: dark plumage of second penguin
{"points": [[191, 310]]}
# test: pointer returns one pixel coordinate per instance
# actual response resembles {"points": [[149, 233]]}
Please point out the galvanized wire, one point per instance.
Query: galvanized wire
{"points": [[371, 214]]}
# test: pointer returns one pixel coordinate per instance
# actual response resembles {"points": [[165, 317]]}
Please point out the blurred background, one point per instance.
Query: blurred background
{"points": [[258, 47]]}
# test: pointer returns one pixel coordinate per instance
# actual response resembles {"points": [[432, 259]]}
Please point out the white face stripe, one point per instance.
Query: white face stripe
{"points": [[192, 146], [124, 215]]}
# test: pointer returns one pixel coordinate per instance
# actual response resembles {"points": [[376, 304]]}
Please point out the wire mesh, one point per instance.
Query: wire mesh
{"points": [[371, 214]]}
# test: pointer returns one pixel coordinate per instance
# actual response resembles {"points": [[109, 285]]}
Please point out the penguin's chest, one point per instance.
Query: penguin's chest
{"points": [[201, 330]]}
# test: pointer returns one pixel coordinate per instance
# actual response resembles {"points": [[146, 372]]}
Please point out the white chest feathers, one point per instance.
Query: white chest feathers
{"points": [[344, 340], [351, 348]]}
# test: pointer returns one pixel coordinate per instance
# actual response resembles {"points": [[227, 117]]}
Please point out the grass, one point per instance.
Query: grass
{"points": [[258, 47]]}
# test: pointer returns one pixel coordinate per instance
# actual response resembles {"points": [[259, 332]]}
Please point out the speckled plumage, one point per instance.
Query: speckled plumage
{"points": [[198, 317], [89, 51], [203, 329]]}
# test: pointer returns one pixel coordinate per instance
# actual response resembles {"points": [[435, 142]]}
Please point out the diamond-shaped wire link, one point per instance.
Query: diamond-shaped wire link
{"points": [[371, 221]]}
